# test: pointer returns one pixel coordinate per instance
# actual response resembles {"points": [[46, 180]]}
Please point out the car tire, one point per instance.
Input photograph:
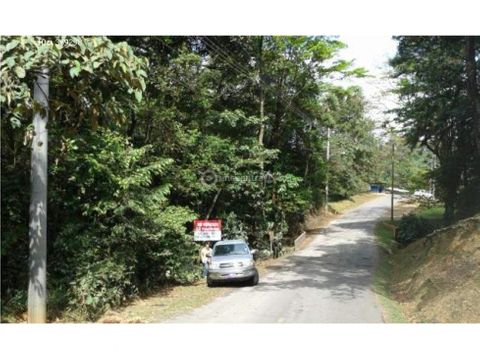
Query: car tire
{"points": [[255, 279], [210, 283]]}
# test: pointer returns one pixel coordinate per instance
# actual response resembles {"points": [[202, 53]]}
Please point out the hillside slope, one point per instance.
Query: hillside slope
{"points": [[437, 279]]}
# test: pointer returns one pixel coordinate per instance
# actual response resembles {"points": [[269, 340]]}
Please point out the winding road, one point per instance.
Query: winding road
{"points": [[330, 281]]}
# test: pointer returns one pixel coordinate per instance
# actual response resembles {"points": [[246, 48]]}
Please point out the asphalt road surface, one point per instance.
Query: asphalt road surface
{"points": [[330, 281]]}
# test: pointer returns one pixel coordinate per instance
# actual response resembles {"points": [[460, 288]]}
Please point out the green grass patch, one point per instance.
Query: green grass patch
{"points": [[431, 213], [383, 274], [384, 231]]}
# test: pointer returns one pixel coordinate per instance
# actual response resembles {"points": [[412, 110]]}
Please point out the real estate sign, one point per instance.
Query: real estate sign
{"points": [[207, 230]]}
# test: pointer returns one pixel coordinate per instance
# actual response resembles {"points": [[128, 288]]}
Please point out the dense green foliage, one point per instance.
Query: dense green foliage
{"points": [[412, 165], [148, 133], [412, 227], [439, 89]]}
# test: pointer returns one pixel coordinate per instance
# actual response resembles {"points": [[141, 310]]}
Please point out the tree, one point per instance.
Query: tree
{"points": [[438, 94], [89, 60], [137, 152], [413, 166]]}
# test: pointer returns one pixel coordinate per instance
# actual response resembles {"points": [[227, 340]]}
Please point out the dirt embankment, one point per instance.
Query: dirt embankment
{"points": [[437, 279]]}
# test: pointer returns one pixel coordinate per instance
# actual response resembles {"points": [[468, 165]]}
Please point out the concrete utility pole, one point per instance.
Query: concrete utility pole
{"points": [[328, 161], [37, 286], [393, 179], [261, 94]]}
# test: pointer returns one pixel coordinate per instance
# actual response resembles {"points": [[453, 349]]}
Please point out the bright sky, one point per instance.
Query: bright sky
{"points": [[372, 53]]}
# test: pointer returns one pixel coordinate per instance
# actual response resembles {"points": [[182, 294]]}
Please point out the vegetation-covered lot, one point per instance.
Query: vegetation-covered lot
{"points": [[148, 133]]}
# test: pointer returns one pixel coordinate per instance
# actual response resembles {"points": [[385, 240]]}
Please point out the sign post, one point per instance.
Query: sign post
{"points": [[207, 230]]}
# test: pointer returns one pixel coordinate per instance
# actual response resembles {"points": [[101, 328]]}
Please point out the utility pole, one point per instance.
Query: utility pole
{"points": [[328, 165], [393, 179], [261, 133], [37, 286], [261, 94]]}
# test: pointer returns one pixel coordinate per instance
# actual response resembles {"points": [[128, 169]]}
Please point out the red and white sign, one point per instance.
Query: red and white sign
{"points": [[207, 230]]}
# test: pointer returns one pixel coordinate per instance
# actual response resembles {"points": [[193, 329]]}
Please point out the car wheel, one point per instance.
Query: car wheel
{"points": [[255, 279], [210, 283]]}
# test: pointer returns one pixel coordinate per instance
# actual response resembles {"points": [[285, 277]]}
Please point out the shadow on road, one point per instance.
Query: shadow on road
{"points": [[343, 266]]}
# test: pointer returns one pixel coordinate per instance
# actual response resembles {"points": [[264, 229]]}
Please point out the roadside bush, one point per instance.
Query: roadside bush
{"points": [[413, 227], [16, 305], [111, 233], [126, 239], [233, 227], [101, 286]]}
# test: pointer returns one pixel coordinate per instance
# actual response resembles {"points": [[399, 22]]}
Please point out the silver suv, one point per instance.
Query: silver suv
{"points": [[232, 260]]}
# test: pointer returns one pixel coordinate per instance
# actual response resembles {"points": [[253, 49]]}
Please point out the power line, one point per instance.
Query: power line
{"points": [[240, 68]]}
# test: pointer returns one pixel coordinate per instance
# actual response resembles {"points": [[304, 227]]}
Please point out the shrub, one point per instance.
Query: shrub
{"points": [[15, 306], [413, 227], [100, 286]]}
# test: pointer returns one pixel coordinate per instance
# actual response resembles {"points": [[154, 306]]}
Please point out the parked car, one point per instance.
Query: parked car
{"points": [[423, 194], [232, 261]]}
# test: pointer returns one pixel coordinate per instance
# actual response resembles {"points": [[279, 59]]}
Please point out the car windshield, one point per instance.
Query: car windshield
{"points": [[231, 249]]}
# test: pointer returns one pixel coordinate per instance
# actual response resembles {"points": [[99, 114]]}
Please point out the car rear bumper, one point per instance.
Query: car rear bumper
{"points": [[231, 274]]}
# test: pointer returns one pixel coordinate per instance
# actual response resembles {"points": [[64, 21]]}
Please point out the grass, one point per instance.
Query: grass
{"points": [[434, 279], [383, 278], [385, 237], [383, 273], [434, 213], [437, 278], [176, 300], [166, 304]]}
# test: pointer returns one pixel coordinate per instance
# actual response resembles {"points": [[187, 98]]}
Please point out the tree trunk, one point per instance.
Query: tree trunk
{"points": [[37, 286], [307, 167], [271, 238], [279, 114], [449, 215], [133, 124], [214, 202], [392, 195]]}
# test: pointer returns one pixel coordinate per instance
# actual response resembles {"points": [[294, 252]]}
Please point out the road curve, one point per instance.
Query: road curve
{"points": [[328, 282]]}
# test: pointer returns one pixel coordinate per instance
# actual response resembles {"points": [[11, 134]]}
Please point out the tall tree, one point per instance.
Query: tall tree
{"points": [[136, 152], [438, 92], [81, 70]]}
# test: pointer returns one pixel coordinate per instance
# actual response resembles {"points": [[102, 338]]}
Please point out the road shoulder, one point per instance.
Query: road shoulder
{"points": [[172, 301]]}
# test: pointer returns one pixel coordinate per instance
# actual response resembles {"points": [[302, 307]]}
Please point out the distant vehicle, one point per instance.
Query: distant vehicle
{"points": [[397, 190], [232, 260], [423, 194]]}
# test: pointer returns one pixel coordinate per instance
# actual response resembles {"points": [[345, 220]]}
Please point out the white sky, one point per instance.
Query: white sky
{"points": [[372, 53]]}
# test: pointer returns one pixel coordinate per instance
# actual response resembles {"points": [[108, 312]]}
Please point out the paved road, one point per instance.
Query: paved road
{"points": [[328, 282]]}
